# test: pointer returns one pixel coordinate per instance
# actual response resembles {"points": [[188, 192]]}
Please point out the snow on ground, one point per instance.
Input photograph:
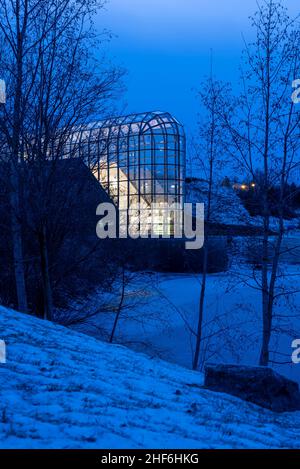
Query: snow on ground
{"points": [[161, 326], [226, 205], [228, 208], [62, 389]]}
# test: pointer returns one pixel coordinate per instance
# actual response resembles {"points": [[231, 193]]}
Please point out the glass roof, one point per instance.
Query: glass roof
{"points": [[135, 124]]}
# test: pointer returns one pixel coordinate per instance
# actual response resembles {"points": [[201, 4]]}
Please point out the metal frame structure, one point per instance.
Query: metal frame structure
{"points": [[138, 159]]}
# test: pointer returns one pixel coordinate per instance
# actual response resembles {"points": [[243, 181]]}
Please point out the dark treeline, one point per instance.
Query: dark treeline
{"points": [[253, 201]]}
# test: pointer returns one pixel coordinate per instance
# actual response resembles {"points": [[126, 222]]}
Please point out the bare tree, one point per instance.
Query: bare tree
{"points": [[14, 28], [208, 156], [55, 86], [263, 133]]}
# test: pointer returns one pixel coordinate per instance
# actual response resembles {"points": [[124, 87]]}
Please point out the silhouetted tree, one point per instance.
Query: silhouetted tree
{"points": [[55, 84], [263, 134]]}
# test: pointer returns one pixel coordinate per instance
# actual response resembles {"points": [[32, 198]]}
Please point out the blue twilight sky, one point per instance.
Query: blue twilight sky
{"points": [[165, 47]]}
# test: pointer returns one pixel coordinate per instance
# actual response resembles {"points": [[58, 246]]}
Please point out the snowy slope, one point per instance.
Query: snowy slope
{"points": [[61, 389], [226, 206]]}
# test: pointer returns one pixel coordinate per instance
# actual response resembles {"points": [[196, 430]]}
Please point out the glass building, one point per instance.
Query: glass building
{"points": [[140, 160]]}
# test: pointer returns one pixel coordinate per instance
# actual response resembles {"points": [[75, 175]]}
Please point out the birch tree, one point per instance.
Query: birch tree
{"points": [[208, 160], [263, 135]]}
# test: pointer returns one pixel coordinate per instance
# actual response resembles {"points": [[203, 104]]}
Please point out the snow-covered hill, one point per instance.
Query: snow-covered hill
{"points": [[226, 206], [61, 389]]}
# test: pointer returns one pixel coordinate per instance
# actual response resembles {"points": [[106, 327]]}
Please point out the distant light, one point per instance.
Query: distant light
{"points": [[253, 184], [244, 187]]}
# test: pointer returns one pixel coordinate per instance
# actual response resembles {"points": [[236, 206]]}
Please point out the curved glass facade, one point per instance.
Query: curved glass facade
{"points": [[140, 161]]}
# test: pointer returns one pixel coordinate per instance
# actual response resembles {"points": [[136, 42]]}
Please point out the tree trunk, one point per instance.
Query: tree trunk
{"points": [[16, 157], [201, 308], [119, 308], [264, 354], [266, 330], [212, 132], [46, 283], [16, 230]]}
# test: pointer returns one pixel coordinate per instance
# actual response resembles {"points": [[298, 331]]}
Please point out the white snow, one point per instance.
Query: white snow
{"points": [[62, 389], [226, 206], [161, 324]]}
